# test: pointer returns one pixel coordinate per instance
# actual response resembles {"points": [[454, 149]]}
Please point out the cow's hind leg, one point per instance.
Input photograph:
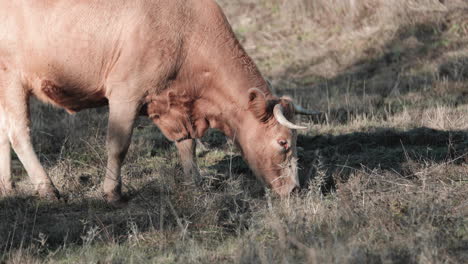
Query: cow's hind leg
{"points": [[187, 155], [15, 108], [121, 118], [6, 184]]}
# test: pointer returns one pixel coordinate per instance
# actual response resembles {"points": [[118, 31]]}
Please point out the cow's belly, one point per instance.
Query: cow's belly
{"points": [[71, 98]]}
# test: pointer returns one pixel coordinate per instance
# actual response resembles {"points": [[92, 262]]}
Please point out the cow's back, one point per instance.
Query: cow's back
{"points": [[74, 45]]}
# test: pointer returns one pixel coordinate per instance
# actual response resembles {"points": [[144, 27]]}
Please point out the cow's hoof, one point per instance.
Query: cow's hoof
{"points": [[48, 192], [116, 200]]}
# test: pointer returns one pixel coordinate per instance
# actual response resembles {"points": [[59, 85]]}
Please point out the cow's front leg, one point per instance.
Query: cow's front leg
{"points": [[187, 155], [119, 133], [15, 113]]}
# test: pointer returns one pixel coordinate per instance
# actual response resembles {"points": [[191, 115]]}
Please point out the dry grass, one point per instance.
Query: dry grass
{"points": [[384, 170], [324, 38]]}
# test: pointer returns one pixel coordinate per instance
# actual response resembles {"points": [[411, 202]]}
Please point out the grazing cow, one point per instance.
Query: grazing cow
{"points": [[177, 61]]}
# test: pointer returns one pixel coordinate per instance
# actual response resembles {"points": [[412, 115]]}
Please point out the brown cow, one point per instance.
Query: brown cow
{"points": [[176, 59]]}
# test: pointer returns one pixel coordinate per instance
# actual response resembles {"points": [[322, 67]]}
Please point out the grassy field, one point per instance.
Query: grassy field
{"points": [[384, 171]]}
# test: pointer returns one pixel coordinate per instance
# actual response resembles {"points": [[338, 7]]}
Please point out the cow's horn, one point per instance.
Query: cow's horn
{"points": [[278, 113], [300, 110]]}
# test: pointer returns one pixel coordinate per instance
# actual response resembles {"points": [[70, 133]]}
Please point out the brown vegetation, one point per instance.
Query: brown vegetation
{"points": [[384, 170]]}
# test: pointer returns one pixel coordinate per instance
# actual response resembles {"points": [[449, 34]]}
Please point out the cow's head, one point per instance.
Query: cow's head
{"points": [[268, 140]]}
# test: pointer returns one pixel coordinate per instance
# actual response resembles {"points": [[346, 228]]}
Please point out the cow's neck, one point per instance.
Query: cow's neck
{"points": [[221, 72], [226, 97]]}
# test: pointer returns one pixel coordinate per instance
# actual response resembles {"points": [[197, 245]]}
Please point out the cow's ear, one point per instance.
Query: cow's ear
{"points": [[255, 94], [257, 102]]}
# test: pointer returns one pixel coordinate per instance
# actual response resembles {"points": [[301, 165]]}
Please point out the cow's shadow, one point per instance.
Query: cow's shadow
{"points": [[334, 158], [27, 221]]}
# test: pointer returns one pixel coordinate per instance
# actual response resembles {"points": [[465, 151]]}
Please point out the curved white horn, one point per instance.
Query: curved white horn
{"points": [[300, 110], [278, 113]]}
